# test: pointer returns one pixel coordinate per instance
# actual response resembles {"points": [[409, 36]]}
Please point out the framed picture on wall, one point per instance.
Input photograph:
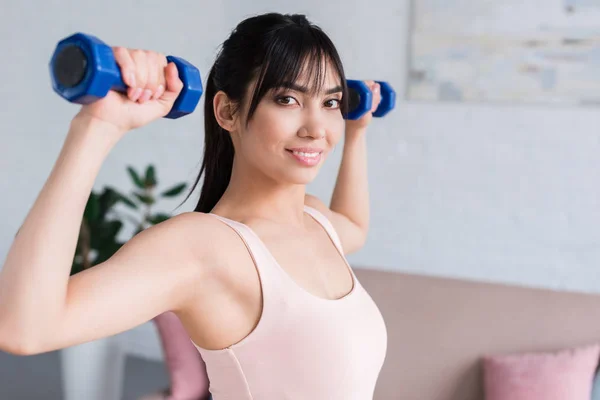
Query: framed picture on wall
{"points": [[511, 51]]}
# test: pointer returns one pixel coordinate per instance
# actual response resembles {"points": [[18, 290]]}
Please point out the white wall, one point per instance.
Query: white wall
{"points": [[496, 193]]}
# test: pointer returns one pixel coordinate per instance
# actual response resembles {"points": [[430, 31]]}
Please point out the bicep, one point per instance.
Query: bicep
{"points": [[149, 275], [352, 237]]}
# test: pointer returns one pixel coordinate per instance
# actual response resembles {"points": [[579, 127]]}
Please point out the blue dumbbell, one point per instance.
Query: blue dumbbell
{"points": [[83, 70], [361, 99]]}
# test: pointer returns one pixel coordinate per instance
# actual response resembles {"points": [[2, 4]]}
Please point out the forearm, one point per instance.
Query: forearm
{"points": [[34, 278], [351, 194]]}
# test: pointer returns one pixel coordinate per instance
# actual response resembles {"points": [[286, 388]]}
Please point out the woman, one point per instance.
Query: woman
{"points": [[257, 273]]}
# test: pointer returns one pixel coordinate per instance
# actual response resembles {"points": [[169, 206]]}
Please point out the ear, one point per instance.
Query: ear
{"points": [[223, 109]]}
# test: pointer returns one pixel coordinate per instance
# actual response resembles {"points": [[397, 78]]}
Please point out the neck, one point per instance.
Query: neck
{"points": [[251, 194]]}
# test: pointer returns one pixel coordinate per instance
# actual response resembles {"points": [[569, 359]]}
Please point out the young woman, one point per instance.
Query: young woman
{"points": [[257, 273]]}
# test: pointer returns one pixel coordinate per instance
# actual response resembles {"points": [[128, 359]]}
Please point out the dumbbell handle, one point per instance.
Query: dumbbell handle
{"points": [[77, 77]]}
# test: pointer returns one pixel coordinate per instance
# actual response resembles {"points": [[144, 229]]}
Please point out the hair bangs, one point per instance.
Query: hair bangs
{"points": [[298, 57]]}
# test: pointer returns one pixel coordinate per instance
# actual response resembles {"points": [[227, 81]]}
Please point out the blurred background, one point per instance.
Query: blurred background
{"points": [[487, 170]]}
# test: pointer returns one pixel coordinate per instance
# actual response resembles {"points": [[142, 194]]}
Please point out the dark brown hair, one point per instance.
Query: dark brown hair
{"points": [[273, 49]]}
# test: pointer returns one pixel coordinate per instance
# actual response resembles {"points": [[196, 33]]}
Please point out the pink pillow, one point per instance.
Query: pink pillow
{"points": [[562, 375], [187, 371]]}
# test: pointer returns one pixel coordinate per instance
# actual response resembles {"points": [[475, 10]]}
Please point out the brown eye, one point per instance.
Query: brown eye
{"points": [[285, 100], [333, 103]]}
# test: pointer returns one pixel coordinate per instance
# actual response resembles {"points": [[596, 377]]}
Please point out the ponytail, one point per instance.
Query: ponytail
{"points": [[217, 162]]}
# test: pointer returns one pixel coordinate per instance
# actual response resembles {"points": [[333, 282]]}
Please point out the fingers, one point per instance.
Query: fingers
{"points": [[143, 72], [173, 83], [161, 63], [156, 76], [127, 66], [376, 90]]}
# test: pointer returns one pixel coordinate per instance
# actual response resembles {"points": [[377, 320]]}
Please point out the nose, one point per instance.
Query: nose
{"points": [[313, 128]]}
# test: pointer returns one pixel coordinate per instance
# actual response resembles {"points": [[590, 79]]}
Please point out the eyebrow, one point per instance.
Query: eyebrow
{"points": [[304, 89]]}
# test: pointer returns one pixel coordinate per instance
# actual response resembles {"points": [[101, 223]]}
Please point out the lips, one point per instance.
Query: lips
{"points": [[306, 150], [306, 156]]}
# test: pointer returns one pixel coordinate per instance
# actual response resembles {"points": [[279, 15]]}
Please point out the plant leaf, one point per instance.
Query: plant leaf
{"points": [[139, 229], [130, 218], [107, 200], [126, 200], [103, 232], [108, 249], [150, 180], [92, 208], [135, 177], [145, 198], [111, 229], [76, 268], [158, 218], [174, 191]]}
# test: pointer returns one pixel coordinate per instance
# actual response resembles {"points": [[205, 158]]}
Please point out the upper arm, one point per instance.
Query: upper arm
{"points": [[351, 235], [152, 273]]}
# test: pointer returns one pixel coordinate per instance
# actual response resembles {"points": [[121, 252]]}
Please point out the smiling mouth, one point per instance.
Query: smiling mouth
{"points": [[307, 154], [307, 159]]}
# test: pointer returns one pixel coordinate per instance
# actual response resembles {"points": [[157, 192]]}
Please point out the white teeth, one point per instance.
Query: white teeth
{"points": [[309, 155]]}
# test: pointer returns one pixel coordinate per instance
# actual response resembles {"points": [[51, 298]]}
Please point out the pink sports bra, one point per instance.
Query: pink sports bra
{"points": [[304, 347]]}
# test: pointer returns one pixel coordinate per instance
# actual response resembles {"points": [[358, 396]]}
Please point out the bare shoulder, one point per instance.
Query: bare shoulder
{"points": [[316, 203], [351, 236], [214, 245], [200, 223], [197, 233], [182, 231]]}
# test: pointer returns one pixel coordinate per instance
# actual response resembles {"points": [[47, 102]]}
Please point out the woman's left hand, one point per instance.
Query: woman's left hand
{"points": [[359, 125]]}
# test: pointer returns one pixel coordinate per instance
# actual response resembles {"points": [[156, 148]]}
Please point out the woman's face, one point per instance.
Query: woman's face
{"points": [[292, 132]]}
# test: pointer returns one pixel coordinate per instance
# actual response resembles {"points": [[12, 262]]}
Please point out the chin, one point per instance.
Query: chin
{"points": [[303, 177]]}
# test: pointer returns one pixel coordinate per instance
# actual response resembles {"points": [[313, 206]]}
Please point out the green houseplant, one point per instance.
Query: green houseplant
{"points": [[102, 222]]}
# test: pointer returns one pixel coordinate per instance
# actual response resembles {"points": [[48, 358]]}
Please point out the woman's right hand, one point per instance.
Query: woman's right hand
{"points": [[153, 86]]}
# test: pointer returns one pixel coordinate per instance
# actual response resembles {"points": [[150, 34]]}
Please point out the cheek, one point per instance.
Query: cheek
{"points": [[272, 130], [266, 137], [336, 129]]}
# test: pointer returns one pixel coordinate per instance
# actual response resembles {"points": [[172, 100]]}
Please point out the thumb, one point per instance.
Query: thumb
{"points": [[375, 89], [174, 85]]}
